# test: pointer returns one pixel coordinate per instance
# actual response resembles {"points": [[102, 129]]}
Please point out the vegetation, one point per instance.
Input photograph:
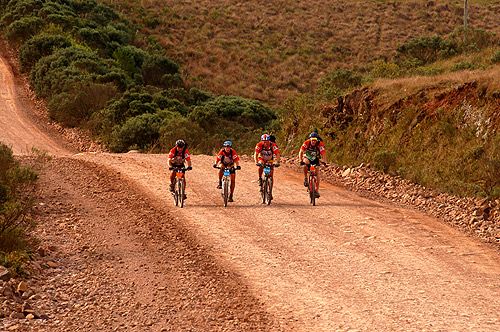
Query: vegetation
{"points": [[84, 59], [322, 65], [16, 189]]}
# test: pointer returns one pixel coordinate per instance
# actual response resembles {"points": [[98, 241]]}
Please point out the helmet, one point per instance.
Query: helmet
{"points": [[313, 134], [180, 143], [227, 143], [265, 137]]}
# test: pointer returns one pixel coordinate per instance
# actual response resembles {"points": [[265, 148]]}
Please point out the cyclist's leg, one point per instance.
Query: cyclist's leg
{"points": [[172, 180], [233, 185], [184, 182], [306, 170], [221, 172], [261, 170]]}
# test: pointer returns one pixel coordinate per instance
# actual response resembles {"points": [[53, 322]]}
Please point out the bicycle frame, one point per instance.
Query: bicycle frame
{"points": [[180, 186], [313, 184], [267, 184]]}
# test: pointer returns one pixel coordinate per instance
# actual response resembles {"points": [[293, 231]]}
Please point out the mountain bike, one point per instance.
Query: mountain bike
{"points": [[226, 182], [266, 187], [312, 188], [180, 185]]}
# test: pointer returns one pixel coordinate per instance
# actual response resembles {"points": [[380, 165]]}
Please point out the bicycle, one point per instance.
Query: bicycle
{"points": [[180, 185], [312, 187], [266, 187], [226, 182]]}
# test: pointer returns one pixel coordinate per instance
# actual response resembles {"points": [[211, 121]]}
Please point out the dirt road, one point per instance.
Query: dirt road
{"points": [[129, 260]]}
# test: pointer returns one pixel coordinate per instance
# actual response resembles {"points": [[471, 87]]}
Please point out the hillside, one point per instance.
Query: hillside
{"points": [[270, 49]]}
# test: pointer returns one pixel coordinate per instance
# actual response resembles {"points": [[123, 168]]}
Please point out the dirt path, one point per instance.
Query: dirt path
{"points": [[16, 128], [126, 259]]}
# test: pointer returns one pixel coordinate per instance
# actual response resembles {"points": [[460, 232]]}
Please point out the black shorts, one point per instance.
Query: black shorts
{"points": [[315, 162], [231, 168]]}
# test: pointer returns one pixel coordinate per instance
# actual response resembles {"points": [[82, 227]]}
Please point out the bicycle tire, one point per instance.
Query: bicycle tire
{"points": [[263, 190], [269, 190], [312, 190], [225, 193], [181, 192], [176, 194]]}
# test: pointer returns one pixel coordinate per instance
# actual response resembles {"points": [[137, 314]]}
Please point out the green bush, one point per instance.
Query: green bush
{"points": [[385, 160], [16, 190], [427, 49], [472, 39], [464, 65], [338, 82], [139, 132], [496, 57], [39, 46], [247, 112], [75, 107], [160, 71], [23, 28], [385, 69]]}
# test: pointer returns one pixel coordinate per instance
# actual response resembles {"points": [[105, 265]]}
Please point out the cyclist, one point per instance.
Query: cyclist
{"points": [[266, 152], [228, 157], [310, 153], [176, 158]]}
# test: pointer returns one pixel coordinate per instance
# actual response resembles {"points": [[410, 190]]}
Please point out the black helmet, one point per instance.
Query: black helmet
{"points": [[180, 143]]}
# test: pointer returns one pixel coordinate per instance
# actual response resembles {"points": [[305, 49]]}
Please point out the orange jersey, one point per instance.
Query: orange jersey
{"points": [[177, 157], [227, 158], [266, 154], [319, 147]]}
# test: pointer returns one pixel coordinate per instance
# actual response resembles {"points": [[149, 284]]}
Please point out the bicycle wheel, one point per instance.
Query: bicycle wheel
{"points": [[269, 191], [263, 190], [181, 192], [176, 194], [225, 191], [312, 189]]}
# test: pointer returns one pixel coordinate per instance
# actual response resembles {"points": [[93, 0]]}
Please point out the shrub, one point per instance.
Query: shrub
{"points": [[385, 160], [39, 46], [473, 39], [129, 58], [427, 49], [157, 71], [23, 28], [247, 112], [496, 57], [74, 107], [16, 191], [140, 131], [385, 69], [338, 82]]}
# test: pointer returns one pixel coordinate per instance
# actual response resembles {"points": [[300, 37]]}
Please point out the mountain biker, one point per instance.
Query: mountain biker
{"points": [[228, 157], [266, 152], [176, 158], [311, 151]]}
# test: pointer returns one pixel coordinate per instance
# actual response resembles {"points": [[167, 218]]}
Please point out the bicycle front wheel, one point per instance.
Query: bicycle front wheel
{"points": [[181, 192], [269, 191], [225, 192], [312, 190]]}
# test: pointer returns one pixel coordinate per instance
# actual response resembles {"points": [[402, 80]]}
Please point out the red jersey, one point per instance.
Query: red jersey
{"points": [[178, 157], [313, 150], [229, 157], [266, 154]]}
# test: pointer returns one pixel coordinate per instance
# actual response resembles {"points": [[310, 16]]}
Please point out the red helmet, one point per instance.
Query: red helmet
{"points": [[265, 137]]}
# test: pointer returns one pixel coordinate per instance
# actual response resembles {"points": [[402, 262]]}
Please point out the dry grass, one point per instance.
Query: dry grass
{"points": [[269, 49]]}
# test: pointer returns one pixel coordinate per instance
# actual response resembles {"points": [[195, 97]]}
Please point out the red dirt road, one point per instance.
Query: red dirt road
{"points": [[347, 264]]}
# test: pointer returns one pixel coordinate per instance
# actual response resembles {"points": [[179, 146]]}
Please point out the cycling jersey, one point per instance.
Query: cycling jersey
{"points": [[227, 158], [178, 157], [266, 154], [313, 152]]}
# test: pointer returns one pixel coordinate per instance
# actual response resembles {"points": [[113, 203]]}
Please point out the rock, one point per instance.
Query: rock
{"points": [[52, 264], [5, 274], [30, 316], [16, 315], [22, 287]]}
